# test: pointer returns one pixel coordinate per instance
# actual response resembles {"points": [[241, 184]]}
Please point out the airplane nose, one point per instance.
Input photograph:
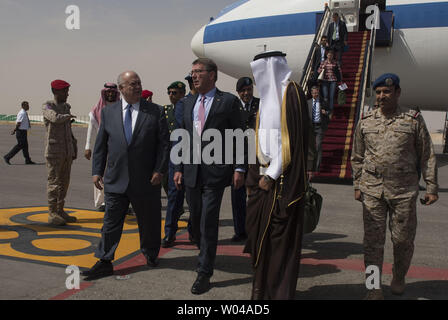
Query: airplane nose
{"points": [[197, 43]]}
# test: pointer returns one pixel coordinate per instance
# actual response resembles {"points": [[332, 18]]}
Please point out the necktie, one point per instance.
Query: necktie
{"points": [[247, 107], [316, 114], [128, 124], [201, 114], [335, 32], [29, 122]]}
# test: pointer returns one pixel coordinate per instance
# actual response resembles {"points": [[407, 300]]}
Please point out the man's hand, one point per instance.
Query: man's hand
{"points": [[88, 154], [178, 180], [98, 182], [156, 178], [431, 198], [264, 184], [238, 180], [358, 195]]}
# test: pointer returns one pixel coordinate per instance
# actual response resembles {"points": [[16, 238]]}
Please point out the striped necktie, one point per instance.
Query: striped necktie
{"points": [[316, 113]]}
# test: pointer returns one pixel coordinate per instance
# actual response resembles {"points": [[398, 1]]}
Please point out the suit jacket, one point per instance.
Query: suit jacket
{"points": [[343, 34], [249, 117], [323, 117], [131, 166], [224, 114], [317, 60]]}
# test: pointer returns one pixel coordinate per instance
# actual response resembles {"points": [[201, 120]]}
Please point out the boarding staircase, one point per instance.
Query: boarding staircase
{"points": [[338, 140]]}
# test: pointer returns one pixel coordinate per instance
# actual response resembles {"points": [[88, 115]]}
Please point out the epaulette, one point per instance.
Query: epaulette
{"points": [[414, 113], [367, 114], [49, 104]]}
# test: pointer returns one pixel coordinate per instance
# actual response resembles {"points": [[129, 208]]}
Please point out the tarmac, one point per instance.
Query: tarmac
{"points": [[34, 255]]}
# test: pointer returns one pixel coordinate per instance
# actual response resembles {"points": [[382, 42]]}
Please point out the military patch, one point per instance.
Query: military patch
{"points": [[367, 114], [389, 82]]}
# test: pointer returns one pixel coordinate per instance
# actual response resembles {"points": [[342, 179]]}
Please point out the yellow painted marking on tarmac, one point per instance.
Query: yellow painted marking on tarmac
{"points": [[58, 242], [5, 234]]}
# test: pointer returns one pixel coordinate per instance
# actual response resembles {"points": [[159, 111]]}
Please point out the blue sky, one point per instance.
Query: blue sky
{"points": [[150, 37]]}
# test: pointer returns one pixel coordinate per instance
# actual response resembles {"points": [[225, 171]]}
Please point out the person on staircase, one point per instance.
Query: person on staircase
{"points": [[332, 75], [337, 36]]}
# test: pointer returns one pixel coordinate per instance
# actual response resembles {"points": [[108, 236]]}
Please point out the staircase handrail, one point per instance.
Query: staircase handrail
{"points": [[308, 67], [367, 72]]}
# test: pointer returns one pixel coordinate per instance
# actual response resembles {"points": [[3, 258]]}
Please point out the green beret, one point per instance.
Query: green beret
{"points": [[177, 85]]}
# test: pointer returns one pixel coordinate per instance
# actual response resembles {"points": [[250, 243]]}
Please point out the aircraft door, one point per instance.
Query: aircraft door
{"points": [[349, 10]]}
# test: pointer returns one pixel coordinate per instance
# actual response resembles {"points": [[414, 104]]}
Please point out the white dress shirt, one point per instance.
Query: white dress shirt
{"points": [[22, 117], [208, 101]]}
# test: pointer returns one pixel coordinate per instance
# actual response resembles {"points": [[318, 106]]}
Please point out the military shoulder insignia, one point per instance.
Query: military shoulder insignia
{"points": [[414, 113], [367, 114]]}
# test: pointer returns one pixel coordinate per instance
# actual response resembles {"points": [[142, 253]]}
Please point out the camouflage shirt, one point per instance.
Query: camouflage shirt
{"points": [[388, 152], [59, 139]]}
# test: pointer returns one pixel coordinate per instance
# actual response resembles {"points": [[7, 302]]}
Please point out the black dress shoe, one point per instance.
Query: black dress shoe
{"points": [[152, 262], [201, 285], [30, 162], [239, 238], [6, 160], [102, 268], [168, 242]]}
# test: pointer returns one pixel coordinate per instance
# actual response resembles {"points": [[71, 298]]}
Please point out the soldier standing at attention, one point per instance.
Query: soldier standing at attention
{"points": [[60, 151], [390, 143]]}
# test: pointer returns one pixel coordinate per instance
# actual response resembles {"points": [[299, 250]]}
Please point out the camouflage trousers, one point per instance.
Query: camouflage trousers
{"points": [[58, 182], [402, 225]]}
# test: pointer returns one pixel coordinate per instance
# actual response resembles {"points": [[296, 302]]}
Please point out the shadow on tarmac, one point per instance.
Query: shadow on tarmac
{"points": [[432, 290]]}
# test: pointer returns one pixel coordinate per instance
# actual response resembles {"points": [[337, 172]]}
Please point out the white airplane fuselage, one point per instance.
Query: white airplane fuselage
{"points": [[418, 53]]}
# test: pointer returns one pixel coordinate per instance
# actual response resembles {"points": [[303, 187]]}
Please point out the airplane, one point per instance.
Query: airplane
{"points": [[417, 51]]}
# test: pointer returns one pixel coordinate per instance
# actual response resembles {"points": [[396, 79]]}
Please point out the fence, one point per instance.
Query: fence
{"points": [[40, 118]]}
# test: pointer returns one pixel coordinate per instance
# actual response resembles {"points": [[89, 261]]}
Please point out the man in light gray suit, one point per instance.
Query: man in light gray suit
{"points": [[133, 142]]}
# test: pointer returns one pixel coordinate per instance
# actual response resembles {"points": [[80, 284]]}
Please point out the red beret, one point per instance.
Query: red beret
{"points": [[59, 84], [146, 94]]}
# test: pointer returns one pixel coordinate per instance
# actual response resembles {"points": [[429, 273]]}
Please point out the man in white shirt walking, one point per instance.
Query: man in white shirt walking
{"points": [[21, 132]]}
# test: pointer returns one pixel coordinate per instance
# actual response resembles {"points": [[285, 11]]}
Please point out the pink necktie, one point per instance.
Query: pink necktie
{"points": [[201, 114]]}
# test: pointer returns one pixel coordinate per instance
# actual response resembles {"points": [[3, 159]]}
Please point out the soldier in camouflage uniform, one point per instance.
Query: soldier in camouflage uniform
{"points": [[60, 151], [390, 143]]}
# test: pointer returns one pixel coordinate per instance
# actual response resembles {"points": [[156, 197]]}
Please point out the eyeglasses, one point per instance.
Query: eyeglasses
{"points": [[193, 72], [174, 93]]}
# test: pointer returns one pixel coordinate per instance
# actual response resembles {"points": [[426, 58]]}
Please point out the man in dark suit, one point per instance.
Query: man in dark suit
{"points": [[319, 56], [248, 108], [133, 142], [318, 112], [205, 181], [337, 36]]}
